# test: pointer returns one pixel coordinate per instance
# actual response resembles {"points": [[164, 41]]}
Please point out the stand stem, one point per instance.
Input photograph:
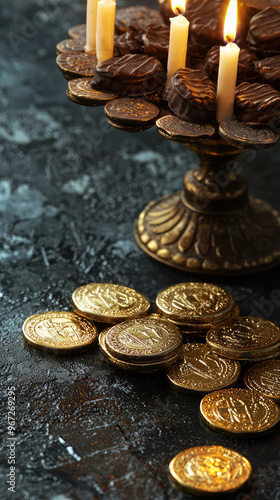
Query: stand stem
{"points": [[212, 226]]}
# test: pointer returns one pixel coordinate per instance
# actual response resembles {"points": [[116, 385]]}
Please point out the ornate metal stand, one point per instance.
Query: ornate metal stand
{"points": [[212, 226]]}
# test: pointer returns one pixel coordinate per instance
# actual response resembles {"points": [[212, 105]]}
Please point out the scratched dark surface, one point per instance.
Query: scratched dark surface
{"points": [[70, 190]]}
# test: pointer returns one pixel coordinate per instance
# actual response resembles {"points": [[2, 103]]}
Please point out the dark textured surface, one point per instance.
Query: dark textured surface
{"points": [[70, 190]]}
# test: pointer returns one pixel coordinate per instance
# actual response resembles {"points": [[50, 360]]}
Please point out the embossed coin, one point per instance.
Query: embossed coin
{"points": [[125, 127], [199, 329], [197, 369], [70, 46], [109, 303], [76, 65], [144, 340], [178, 130], [210, 469], [81, 92], [265, 378], [133, 367], [78, 31], [242, 135], [136, 18], [196, 305], [245, 338], [239, 411], [131, 111], [59, 330]]}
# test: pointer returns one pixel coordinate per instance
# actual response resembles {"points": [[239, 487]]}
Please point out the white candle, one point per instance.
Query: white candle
{"points": [[178, 44], [228, 67], [90, 47], [106, 13]]}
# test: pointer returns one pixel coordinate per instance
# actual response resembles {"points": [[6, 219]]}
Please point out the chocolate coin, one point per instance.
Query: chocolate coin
{"points": [[78, 32], [129, 128], [197, 369], [109, 303], [245, 338], [210, 469], [177, 130], [70, 47], [76, 65], [81, 92], [59, 330], [242, 135], [136, 18], [239, 411], [144, 340], [131, 111], [265, 378]]}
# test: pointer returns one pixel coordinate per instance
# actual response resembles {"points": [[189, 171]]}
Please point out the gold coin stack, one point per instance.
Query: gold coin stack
{"points": [[245, 339], [135, 343], [141, 345], [196, 307]]}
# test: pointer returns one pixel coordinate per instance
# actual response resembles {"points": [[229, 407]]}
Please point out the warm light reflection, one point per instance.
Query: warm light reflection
{"points": [[178, 6], [231, 22]]}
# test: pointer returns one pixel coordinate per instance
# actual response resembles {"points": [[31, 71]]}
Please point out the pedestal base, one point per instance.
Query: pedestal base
{"points": [[181, 236]]}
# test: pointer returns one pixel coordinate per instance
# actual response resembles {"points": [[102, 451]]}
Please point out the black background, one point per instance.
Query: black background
{"points": [[70, 189]]}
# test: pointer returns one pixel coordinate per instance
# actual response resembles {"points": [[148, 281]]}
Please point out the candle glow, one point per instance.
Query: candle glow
{"points": [[230, 26], [178, 6]]}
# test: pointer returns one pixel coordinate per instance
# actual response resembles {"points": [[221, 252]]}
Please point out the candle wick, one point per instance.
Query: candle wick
{"points": [[179, 11], [228, 39]]}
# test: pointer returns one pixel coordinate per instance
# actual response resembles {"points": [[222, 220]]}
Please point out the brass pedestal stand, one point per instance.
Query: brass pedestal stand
{"points": [[212, 226]]}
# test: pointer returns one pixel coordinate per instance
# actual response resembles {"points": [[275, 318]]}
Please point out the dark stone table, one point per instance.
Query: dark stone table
{"points": [[70, 189]]}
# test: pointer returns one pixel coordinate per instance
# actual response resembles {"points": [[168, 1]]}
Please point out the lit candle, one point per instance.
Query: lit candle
{"points": [[106, 13], [228, 67], [178, 44], [90, 47]]}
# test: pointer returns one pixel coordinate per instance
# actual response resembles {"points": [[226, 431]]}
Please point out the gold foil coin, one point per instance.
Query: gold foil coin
{"points": [[78, 32], [76, 65], [198, 369], [245, 338], [195, 304], [265, 378], [131, 111], [144, 340], [109, 303], [59, 330], [133, 367], [199, 329], [239, 411], [210, 469], [80, 91], [70, 46]]}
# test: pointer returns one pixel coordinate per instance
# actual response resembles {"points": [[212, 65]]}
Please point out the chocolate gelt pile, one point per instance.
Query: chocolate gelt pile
{"points": [[138, 68], [198, 338]]}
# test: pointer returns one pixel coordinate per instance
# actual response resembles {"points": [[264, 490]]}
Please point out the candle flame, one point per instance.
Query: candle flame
{"points": [[179, 6], [230, 26]]}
